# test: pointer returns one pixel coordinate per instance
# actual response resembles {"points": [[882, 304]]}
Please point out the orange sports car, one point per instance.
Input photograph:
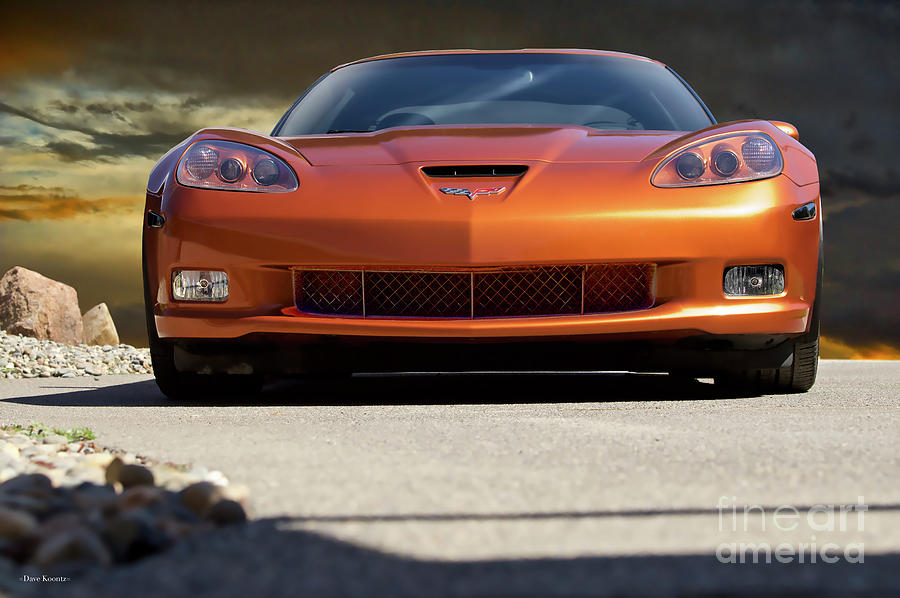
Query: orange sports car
{"points": [[487, 210]]}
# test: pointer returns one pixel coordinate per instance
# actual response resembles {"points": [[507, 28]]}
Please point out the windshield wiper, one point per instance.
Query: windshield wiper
{"points": [[345, 131]]}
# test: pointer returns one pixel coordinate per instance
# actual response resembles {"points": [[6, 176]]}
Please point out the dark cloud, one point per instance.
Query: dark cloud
{"points": [[106, 146], [68, 151], [33, 202], [64, 107], [113, 147]]}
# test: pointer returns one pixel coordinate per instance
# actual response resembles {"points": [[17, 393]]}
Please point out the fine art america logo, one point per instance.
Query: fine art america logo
{"points": [[800, 527]]}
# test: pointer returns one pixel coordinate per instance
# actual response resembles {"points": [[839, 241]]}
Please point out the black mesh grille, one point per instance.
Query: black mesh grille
{"points": [[541, 291], [501, 292], [328, 292], [618, 287], [423, 294]]}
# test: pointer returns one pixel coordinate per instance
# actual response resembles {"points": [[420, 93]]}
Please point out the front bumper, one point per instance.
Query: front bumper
{"points": [[757, 317], [691, 234]]}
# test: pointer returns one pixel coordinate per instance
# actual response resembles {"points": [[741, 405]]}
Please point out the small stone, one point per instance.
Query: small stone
{"points": [[94, 497], [113, 469], [217, 477], [237, 492], [226, 512], [15, 525], [134, 534], [34, 485], [95, 459], [58, 524], [198, 471], [200, 497], [8, 448], [135, 475], [19, 440], [54, 439], [139, 497], [79, 545]]}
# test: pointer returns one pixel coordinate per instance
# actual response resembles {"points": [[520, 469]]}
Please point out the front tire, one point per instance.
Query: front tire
{"points": [[797, 377], [801, 374], [188, 386]]}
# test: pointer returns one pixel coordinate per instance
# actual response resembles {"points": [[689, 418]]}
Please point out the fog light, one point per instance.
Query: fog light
{"points": [[200, 285], [743, 281]]}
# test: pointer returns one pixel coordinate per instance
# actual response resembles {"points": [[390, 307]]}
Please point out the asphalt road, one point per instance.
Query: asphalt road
{"points": [[525, 484]]}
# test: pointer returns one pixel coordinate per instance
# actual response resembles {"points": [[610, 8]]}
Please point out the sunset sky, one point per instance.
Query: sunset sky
{"points": [[91, 97]]}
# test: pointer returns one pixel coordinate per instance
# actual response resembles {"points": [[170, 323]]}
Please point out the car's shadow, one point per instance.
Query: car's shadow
{"points": [[411, 389], [277, 557]]}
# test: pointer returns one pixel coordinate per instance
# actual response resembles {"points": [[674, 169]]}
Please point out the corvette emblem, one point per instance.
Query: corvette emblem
{"points": [[473, 193]]}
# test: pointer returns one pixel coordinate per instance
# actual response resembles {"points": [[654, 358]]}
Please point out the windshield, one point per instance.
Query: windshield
{"points": [[603, 92]]}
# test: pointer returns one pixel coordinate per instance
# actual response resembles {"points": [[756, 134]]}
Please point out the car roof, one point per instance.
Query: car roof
{"points": [[519, 51]]}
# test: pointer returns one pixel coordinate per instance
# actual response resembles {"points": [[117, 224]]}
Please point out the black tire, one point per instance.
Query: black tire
{"points": [[797, 377], [187, 386], [800, 375]]}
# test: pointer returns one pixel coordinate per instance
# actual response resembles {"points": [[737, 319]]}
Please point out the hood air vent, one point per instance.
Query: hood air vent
{"points": [[476, 170]]}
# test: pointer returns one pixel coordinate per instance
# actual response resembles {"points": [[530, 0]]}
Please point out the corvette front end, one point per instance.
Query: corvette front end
{"points": [[481, 246]]}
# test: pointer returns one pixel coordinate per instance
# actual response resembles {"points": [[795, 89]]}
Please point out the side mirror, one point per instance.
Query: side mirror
{"points": [[787, 128]]}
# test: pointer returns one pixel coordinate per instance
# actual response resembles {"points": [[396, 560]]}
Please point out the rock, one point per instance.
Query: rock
{"points": [[134, 534], [97, 459], [99, 328], [135, 475], [35, 485], [58, 524], [34, 305], [16, 525], [139, 497], [92, 497], [226, 512], [7, 448], [54, 439], [73, 545], [200, 497], [238, 493], [113, 469]]}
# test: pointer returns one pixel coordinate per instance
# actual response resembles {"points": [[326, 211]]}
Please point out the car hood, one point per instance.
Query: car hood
{"points": [[479, 144]]}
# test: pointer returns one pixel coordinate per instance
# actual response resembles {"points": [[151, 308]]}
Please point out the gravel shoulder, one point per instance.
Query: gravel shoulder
{"points": [[26, 357], [539, 484]]}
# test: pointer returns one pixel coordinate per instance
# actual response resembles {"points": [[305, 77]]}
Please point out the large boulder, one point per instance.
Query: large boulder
{"points": [[99, 328], [34, 305]]}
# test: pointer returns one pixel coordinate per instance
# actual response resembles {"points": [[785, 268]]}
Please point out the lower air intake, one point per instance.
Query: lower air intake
{"points": [[483, 293]]}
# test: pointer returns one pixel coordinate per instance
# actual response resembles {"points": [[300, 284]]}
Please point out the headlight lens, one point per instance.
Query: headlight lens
{"points": [[234, 167], [689, 166], [729, 159], [266, 172], [201, 162]]}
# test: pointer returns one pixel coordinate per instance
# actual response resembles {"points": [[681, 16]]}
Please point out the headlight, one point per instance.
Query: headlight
{"points": [[233, 167], [729, 159]]}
